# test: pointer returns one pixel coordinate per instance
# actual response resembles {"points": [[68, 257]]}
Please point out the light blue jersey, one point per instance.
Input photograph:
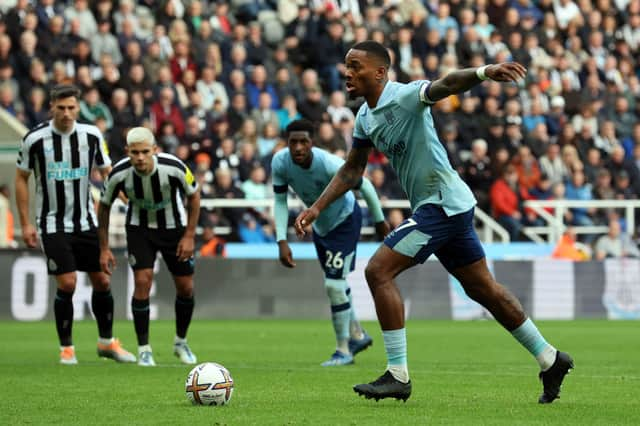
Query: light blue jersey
{"points": [[309, 184], [401, 127]]}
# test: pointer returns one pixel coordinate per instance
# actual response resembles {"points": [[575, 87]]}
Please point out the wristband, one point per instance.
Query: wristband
{"points": [[480, 73]]}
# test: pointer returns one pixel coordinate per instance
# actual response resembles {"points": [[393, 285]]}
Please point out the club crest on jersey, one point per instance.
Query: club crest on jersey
{"points": [[388, 115]]}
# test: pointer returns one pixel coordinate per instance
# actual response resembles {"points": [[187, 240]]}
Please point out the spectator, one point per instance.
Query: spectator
{"points": [[211, 90], [578, 189], [505, 202], [477, 172], [165, 109], [288, 112], [615, 244], [212, 245], [92, 108], [568, 248], [313, 107], [103, 42]]}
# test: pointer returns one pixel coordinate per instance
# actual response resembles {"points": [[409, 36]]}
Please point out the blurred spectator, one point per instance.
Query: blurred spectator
{"points": [[328, 139], [477, 172], [251, 231], [104, 42], [568, 248], [263, 114], [527, 168], [505, 202], [226, 158], [615, 243], [617, 163], [92, 108], [579, 189], [166, 110], [36, 110], [288, 112], [313, 107], [212, 245], [551, 164], [211, 90], [257, 85], [225, 188]]}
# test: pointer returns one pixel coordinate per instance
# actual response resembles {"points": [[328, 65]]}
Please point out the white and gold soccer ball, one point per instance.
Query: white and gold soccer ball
{"points": [[209, 383]]}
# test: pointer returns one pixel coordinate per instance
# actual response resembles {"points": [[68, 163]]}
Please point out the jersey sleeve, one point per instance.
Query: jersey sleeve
{"points": [[278, 177], [189, 183], [112, 187], [413, 96], [102, 153], [360, 138], [24, 161]]}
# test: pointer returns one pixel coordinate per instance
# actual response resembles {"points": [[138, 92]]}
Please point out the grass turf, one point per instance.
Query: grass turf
{"points": [[463, 373]]}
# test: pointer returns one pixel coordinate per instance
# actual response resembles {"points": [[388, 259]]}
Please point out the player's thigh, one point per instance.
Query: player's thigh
{"points": [[140, 248], [337, 250], [59, 252], [386, 264], [86, 251], [167, 243], [422, 234], [463, 247]]}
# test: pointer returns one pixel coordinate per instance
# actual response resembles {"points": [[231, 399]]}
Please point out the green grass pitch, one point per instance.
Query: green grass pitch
{"points": [[463, 373]]}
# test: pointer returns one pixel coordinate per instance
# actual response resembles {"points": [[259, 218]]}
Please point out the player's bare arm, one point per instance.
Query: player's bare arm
{"points": [[187, 242], [462, 80], [29, 233], [347, 177], [107, 259]]}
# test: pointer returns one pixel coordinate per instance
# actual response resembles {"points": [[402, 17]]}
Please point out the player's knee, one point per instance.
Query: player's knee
{"points": [[101, 284], [374, 273], [68, 286], [184, 286], [336, 291]]}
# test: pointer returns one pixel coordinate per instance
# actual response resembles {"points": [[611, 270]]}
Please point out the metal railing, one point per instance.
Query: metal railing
{"points": [[555, 221], [488, 228]]}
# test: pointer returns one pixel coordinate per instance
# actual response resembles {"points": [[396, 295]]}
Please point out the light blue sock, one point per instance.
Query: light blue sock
{"points": [[340, 311], [395, 344], [529, 337]]}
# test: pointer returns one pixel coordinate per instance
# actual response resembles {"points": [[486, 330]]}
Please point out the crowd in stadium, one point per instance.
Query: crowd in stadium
{"points": [[218, 81]]}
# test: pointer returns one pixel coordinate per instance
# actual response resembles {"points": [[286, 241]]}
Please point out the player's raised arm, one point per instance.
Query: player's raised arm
{"points": [[462, 80], [347, 178]]}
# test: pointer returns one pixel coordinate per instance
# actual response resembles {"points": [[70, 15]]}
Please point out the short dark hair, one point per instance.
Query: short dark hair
{"points": [[301, 125], [62, 91], [376, 49]]}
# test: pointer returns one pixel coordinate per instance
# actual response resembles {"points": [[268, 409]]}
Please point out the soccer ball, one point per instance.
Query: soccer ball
{"points": [[209, 384]]}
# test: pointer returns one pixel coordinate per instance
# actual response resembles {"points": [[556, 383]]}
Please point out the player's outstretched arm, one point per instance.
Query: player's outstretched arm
{"points": [[347, 177], [107, 259], [29, 234], [462, 80], [375, 209]]}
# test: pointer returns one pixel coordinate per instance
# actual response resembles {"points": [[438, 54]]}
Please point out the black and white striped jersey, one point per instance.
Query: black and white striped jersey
{"points": [[62, 163], [156, 199]]}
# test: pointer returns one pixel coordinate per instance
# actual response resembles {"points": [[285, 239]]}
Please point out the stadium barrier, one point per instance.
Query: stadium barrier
{"points": [[487, 227], [262, 288], [555, 225]]}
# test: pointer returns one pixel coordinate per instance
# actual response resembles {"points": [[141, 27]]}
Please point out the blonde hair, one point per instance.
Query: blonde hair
{"points": [[140, 134]]}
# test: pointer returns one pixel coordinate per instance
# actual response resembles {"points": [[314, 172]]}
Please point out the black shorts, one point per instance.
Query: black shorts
{"points": [[143, 244], [69, 252]]}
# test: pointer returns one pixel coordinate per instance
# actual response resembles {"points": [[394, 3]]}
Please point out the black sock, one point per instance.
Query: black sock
{"points": [[102, 307], [63, 311], [184, 310], [140, 311]]}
